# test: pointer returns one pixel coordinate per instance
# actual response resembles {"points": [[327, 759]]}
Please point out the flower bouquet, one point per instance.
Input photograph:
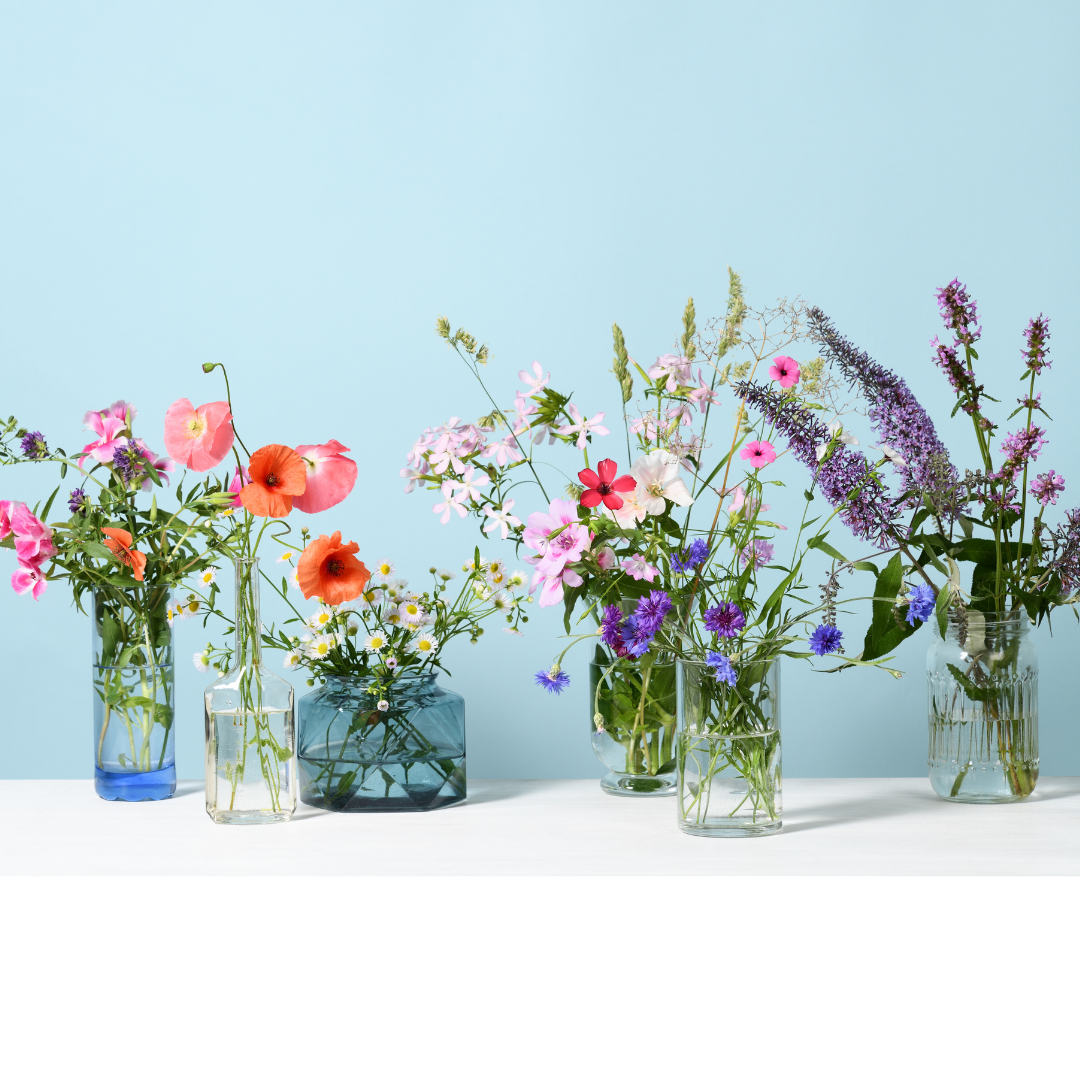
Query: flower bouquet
{"points": [[122, 556]]}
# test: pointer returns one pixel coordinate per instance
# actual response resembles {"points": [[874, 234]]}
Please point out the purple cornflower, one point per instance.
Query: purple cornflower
{"points": [[761, 551], [725, 620], [1036, 337], [610, 632], [637, 635], [825, 639], [898, 418], [653, 608], [921, 604], [77, 501], [34, 445], [1046, 487], [554, 681], [724, 672], [844, 478], [959, 312], [691, 559]]}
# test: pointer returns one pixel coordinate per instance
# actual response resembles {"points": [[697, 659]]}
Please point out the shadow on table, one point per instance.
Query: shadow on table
{"points": [[188, 787]]}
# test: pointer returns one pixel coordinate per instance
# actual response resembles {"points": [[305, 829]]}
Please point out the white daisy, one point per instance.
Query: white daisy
{"points": [[496, 572], [511, 630], [446, 575], [321, 645], [292, 660], [375, 642], [481, 590], [202, 661], [208, 576], [412, 614], [191, 607], [294, 580], [287, 556], [424, 644], [368, 599], [392, 617], [502, 601], [170, 615], [383, 570], [321, 618], [227, 512], [517, 580]]}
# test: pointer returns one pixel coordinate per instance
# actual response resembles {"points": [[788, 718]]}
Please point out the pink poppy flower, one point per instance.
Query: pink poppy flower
{"points": [[28, 578], [198, 438], [111, 433], [330, 477], [785, 371], [759, 453]]}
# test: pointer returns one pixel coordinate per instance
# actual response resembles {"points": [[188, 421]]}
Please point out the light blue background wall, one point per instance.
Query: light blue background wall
{"points": [[299, 189]]}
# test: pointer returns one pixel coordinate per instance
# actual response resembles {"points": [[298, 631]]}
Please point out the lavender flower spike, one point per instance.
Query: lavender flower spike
{"points": [[844, 478]]}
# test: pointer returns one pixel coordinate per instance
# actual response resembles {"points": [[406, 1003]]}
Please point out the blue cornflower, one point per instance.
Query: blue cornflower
{"points": [[825, 639], [725, 620], [611, 627], [654, 607], [724, 671], [921, 604], [554, 681], [692, 557], [638, 634]]}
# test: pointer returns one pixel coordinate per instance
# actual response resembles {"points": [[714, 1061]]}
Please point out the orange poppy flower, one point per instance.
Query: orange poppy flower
{"points": [[118, 541], [329, 569], [277, 474]]}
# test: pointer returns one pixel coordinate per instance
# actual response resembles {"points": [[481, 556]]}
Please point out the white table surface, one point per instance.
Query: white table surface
{"points": [[544, 827]]}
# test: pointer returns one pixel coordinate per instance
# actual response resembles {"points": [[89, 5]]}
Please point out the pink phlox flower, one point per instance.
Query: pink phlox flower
{"points": [[702, 396], [110, 435], [760, 550], [504, 451], [469, 485], [28, 578], [415, 457], [240, 480], [605, 558], [638, 568], [644, 426], [676, 368], [413, 475], [683, 413], [524, 407], [451, 501], [785, 371], [330, 476], [501, 519], [759, 453], [470, 439], [538, 380], [551, 584], [542, 431], [441, 460], [583, 426], [1046, 487]]}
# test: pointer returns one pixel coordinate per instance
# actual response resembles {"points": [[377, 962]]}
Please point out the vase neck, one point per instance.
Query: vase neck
{"points": [[248, 619]]}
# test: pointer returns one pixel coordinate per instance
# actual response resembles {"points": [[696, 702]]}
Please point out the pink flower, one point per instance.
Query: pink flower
{"points": [[413, 475], [670, 372], [33, 538], [638, 568], [758, 453], [6, 510], [560, 540], [504, 451], [538, 380], [162, 465], [111, 433], [501, 519], [198, 438], [760, 550], [702, 396], [682, 413], [28, 577], [241, 478], [451, 501], [560, 512], [784, 371], [605, 558], [584, 426], [330, 476]]}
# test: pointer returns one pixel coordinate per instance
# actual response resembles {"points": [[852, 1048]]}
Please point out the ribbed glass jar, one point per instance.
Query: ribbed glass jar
{"points": [[983, 696]]}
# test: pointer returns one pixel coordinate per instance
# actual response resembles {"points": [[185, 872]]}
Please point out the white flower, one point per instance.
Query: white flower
{"points": [[657, 476], [383, 570], [838, 432], [502, 601], [517, 580], [412, 614], [891, 454], [375, 642], [511, 630], [583, 425], [191, 607], [501, 519], [321, 645], [368, 599], [413, 475], [424, 644], [446, 575], [496, 572], [392, 617], [227, 512], [294, 581], [480, 590], [202, 661], [383, 705], [292, 660], [321, 618], [631, 512], [287, 556], [170, 615], [208, 576]]}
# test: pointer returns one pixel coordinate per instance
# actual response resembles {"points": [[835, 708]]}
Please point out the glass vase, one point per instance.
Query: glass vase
{"points": [[983, 695], [249, 725], [354, 757], [728, 750], [633, 723], [134, 694]]}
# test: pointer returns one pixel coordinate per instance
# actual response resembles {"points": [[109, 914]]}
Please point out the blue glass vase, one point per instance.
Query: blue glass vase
{"points": [[134, 694], [355, 757]]}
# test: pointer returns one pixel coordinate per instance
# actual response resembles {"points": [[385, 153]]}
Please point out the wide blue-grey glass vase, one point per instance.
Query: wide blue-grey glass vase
{"points": [[355, 757]]}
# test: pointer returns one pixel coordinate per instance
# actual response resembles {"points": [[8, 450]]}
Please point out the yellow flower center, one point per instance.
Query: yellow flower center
{"points": [[195, 426]]}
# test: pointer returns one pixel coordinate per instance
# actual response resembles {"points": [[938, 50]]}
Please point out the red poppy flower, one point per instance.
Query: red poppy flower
{"points": [[118, 541], [604, 488], [277, 474], [329, 569]]}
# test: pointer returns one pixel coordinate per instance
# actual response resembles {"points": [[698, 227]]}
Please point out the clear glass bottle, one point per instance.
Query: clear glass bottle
{"points": [[134, 693], [250, 772], [983, 695], [633, 723], [728, 750], [354, 757]]}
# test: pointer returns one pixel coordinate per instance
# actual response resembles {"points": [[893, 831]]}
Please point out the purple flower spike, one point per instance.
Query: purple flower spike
{"points": [[1036, 337], [34, 446], [959, 313]]}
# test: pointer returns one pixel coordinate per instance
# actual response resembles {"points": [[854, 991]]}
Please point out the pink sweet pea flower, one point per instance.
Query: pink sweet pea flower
{"points": [[241, 478], [33, 538], [330, 476], [198, 438], [785, 371], [28, 577], [759, 453], [110, 431]]}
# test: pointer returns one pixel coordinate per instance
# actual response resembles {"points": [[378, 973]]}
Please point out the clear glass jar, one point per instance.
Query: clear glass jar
{"points": [[354, 757], [983, 703], [134, 693], [250, 774], [633, 723], [728, 750]]}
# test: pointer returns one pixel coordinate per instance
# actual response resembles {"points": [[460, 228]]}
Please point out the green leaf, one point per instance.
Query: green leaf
{"points": [[974, 692], [886, 632], [819, 543], [941, 610], [98, 550]]}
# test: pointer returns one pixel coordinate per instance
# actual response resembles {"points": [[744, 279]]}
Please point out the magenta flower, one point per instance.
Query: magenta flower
{"points": [[1036, 337], [7, 508], [760, 550], [1046, 487], [759, 453], [785, 371], [330, 476], [28, 578], [701, 396], [638, 568], [559, 540], [240, 480], [33, 538], [111, 433]]}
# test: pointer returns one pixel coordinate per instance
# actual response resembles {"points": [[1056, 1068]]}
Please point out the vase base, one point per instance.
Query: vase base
{"points": [[248, 817], [637, 787], [731, 829], [422, 802], [135, 786]]}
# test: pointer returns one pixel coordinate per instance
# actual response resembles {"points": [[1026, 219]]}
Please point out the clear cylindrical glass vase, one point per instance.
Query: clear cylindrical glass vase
{"points": [[983, 704], [728, 750], [250, 771], [134, 693], [633, 723]]}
